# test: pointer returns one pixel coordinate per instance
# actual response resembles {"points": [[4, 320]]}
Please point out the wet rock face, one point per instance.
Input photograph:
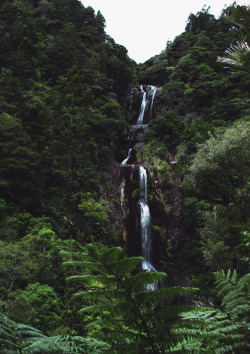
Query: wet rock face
{"points": [[129, 175], [135, 98], [136, 134]]}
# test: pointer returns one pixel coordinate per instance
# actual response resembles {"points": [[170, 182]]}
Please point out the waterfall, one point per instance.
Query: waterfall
{"points": [[146, 243], [147, 101], [145, 216], [143, 184], [152, 93], [145, 225], [128, 157], [143, 106], [145, 231]]}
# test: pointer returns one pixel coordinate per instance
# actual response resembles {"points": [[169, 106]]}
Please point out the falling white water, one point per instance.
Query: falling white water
{"points": [[145, 225], [143, 184], [146, 106], [145, 231], [143, 106], [128, 157], [148, 267], [152, 93], [147, 99]]}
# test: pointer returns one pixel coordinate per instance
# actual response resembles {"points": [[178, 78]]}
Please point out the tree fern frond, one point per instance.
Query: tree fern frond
{"points": [[92, 250], [148, 298], [219, 331], [142, 279], [111, 255], [234, 277], [99, 308], [95, 293], [9, 342], [86, 277], [244, 282], [77, 344], [126, 265]]}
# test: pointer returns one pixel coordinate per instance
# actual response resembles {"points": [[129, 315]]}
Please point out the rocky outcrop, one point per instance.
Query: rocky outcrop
{"points": [[136, 134]]}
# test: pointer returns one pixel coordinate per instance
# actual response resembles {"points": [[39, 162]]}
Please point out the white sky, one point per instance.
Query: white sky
{"points": [[144, 26]]}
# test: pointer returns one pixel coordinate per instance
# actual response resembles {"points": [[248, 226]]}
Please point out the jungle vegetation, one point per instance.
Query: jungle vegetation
{"points": [[66, 284]]}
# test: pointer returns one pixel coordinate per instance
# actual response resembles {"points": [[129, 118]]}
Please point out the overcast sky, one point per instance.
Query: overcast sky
{"points": [[144, 26]]}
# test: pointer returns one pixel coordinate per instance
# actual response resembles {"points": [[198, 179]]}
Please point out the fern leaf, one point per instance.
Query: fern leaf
{"points": [[126, 265], [111, 255], [141, 280]]}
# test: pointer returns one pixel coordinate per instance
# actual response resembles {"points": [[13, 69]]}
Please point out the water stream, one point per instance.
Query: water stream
{"points": [[147, 102], [128, 157], [146, 107], [143, 106]]}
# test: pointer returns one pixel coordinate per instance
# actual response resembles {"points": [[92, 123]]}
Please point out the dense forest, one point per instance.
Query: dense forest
{"points": [[71, 279]]}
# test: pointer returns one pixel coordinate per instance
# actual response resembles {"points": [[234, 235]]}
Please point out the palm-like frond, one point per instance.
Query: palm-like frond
{"points": [[235, 55]]}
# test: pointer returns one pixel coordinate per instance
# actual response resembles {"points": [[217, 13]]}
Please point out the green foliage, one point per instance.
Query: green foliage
{"points": [[20, 338], [19, 162], [94, 215], [64, 87], [246, 245], [14, 336], [67, 82], [16, 265], [220, 168], [223, 330], [236, 55], [166, 129], [126, 313], [46, 306]]}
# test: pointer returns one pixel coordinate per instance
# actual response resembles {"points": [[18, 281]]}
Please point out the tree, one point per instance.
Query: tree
{"points": [[94, 215], [219, 172], [46, 305], [19, 163]]}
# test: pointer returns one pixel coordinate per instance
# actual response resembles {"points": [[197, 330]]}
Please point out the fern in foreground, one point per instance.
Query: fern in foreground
{"points": [[124, 312], [224, 330], [19, 338]]}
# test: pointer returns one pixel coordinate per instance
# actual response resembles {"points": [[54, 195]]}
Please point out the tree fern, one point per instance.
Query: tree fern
{"points": [[126, 314], [67, 344], [223, 330], [13, 336], [236, 295], [19, 338]]}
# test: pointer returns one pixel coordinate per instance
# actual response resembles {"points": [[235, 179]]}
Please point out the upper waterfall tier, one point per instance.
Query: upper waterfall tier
{"points": [[148, 94]]}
